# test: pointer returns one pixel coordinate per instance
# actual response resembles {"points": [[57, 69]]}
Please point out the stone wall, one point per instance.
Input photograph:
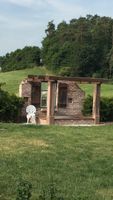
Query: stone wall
{"points": [[25, 89], [25, 93], [74, 105], [82, 121]]}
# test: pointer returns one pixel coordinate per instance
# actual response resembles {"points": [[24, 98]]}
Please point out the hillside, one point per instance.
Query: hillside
{"points": [[106, 89], [13, 79]]}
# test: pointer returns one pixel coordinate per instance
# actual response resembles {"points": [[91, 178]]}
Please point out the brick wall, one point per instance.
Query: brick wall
{"points": [[75, 99], [81, 121], [25, 89], [25, 92]]}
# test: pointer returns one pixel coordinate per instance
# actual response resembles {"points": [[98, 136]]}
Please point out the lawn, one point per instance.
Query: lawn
{"points": [[79, 160]]}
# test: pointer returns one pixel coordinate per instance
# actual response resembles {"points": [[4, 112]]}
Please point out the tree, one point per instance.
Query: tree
{"points": [[21, 58], [50, 28], [83, 45]]}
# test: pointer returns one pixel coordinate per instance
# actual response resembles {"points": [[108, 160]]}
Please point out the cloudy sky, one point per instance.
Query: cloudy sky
{"points": [[23, 22]]}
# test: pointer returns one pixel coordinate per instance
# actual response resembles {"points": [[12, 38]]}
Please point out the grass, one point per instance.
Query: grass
{"points": [[106, 89], [13, 78], [78, 159]]}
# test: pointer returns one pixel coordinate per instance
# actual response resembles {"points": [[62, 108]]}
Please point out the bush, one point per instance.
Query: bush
{"points": [[64, 71], [106, 108], [87, 106], [10, 106]]}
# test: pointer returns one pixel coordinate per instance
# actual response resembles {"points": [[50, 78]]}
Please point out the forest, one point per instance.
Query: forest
{"points": [[27, 57], [81, 47]]}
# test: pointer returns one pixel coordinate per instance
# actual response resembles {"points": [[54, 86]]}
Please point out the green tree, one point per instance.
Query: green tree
{"points": [[21, 58], [83, 45]]}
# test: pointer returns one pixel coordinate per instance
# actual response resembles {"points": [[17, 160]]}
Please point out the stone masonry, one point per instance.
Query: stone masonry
{"points": [[64, 99], [77, 96], [73, 107]]}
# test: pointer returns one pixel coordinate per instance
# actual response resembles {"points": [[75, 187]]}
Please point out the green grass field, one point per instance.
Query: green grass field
{"points": [[13, 79], [79, 160], [106, 89]]}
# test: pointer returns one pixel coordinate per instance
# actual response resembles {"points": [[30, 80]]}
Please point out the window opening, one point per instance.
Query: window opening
{"points": [[62, 100], [44, 87]]}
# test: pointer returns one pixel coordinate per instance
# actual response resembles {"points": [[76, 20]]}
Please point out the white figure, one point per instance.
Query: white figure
{"points": [[31, 114]]}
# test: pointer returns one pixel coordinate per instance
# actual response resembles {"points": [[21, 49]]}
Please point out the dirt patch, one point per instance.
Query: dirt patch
{"points": [[15, 144], [36, 142]]}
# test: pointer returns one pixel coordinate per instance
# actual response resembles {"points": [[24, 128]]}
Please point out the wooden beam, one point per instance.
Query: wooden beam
{"points": [[57, 91], [35, 78], [96, 103], [50, 102]]}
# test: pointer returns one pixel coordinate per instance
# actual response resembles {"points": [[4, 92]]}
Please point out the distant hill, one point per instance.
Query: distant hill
{"points": [[13, 78], [27, 57]]}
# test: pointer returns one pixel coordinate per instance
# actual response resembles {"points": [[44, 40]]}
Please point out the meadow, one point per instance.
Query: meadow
{"points": [[106, 89], [79, 160], [13, 79]]}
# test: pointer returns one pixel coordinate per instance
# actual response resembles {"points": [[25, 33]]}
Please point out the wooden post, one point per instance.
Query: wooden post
{"points": [[57, 89], [50, 103], [96, 103]]}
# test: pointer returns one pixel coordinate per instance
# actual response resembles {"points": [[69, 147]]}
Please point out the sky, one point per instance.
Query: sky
{"points": [[23, 22]]}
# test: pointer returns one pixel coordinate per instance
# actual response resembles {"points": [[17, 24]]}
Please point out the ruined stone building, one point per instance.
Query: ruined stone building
{"points": [[59, 100]]}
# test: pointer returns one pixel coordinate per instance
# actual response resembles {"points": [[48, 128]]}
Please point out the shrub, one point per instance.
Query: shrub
{"points": [[106, 108], [87, 106], [10, 106], [64, 71]]}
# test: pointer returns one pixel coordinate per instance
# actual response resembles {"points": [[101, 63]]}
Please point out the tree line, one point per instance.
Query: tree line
{"points": [[82, 47], [21, 59]]}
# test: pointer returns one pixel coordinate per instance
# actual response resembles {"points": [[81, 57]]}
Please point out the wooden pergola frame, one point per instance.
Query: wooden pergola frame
{"points": [[52, 80]]}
